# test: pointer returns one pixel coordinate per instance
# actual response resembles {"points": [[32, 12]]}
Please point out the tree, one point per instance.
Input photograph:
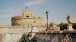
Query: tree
{"points": [[74, 25], [63, 26]]}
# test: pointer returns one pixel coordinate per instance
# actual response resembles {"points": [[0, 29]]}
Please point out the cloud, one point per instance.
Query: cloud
{"points": [[6, 14], [9, 12], [35, 2]]}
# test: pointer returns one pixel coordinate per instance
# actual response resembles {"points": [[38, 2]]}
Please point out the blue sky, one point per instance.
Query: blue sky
{"points": [[58, 9]]}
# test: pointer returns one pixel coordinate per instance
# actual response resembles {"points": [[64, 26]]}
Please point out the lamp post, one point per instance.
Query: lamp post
{"points": [[47, 19]]}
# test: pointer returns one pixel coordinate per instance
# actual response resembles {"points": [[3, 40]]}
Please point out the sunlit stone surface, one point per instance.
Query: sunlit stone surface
{"points": [[70, 27]]}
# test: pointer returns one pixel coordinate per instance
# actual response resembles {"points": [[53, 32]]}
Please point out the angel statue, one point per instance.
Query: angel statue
{"points": [[68, 19], [69, 26]]}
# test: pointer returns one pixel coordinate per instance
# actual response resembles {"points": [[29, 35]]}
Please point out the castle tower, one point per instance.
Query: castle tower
{"points": [[26, 19], [27, 13], [39, 20]]}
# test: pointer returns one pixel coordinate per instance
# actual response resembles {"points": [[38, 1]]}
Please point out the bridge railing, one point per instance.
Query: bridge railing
{"points": [[55, 36]]}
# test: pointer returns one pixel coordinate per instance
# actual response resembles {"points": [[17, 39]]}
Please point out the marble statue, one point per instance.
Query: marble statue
{"points": [[69, 26]]}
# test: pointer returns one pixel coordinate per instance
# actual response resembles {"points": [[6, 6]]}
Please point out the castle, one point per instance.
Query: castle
{"points": [[26, 19]]}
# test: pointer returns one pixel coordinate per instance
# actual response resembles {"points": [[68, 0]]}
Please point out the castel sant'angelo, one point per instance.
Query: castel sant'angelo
{"points": [[26, 19]]}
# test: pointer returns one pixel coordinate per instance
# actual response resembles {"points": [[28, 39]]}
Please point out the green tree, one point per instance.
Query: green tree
{"points": [[74, 25], [63, 26]]}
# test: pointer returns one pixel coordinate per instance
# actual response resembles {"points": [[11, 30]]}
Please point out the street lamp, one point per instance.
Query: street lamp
{"points": [[47, 19]]}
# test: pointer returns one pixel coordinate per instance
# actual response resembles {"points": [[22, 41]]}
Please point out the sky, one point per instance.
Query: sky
{"points": [[58, 9]]}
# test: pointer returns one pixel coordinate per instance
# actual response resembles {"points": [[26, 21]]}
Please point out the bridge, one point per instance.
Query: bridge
{"points": [[16, 35]]}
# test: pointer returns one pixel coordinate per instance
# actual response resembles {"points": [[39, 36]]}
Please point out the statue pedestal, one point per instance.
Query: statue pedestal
{"points": [[70, 27]]}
